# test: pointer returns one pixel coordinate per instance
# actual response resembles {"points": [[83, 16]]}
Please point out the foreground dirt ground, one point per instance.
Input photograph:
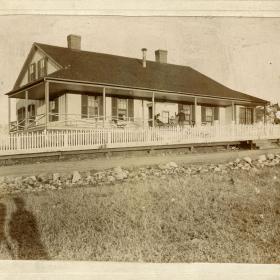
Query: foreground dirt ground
{"points": [[211, 217]]}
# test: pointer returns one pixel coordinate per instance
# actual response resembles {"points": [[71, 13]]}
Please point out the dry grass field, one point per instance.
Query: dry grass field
{"points": [[232, 217]]}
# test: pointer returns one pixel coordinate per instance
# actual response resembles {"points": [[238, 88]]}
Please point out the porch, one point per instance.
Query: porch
{"points": [[67, 105]]}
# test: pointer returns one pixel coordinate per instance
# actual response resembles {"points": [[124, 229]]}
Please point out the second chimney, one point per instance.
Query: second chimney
{"points": [[144, 59], [161, 56], [74, 42]]}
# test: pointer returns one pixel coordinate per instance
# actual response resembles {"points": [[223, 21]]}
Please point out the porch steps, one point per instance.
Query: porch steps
{"points": [[265, 144]]}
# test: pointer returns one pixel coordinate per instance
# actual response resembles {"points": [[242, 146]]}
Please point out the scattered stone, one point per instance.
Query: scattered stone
{"points": [[270, 156], [56, 181], [119, 173], [248, 160], [111, 179], [172, 164], [43, 177], [18, 181], [162, 166], [262, 158], [237, 160], [56, 177], [76, 177], [2, 180]]}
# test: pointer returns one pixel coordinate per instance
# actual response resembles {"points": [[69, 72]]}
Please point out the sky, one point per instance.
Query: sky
{"points": [[241, 53]]}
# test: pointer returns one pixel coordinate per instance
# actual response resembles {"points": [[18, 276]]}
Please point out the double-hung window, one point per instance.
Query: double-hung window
{"points": [[32, 72], [42, 67], [245, 115], [122, 109], [209, 114], [92, 106], [93, 110]]}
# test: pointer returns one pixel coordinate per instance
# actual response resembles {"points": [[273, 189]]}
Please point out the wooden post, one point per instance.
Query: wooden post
{"points": [[26, 109], [66, 109], [233, 112], [264, 114], [9, 113], [143, 115], [195, 110], [47, 100], [254, 115], [104, 106], [153, 109]]}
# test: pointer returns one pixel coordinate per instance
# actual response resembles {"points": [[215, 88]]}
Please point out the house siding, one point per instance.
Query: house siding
{"points": [[74, 105], [228, 115], [222, 115], [51, 66], [108, 108], [198, 115]]}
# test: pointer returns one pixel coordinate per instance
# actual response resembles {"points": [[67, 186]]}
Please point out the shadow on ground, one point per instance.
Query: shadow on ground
{"points": [[23, 241]]}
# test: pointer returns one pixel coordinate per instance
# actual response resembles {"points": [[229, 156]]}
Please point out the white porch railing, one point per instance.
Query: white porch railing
{"points": [[47, 141]]}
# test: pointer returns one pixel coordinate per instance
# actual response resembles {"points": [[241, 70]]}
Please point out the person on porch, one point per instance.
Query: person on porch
{"points": [[181, 118]]}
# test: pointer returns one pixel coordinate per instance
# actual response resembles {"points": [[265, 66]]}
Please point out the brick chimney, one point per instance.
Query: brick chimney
{"points": [[161, 56], [74, 42], [144, 57]]}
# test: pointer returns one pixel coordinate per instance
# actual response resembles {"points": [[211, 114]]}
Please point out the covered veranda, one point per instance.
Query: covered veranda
{"points": [[47, 89]]}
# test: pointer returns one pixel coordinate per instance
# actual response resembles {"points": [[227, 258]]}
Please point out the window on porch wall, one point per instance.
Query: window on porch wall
{"points": [[165, 116], [21, 116], [92, 106], [31, 111], [245, 115], [54, 110], [209, 114], [122, 108]]}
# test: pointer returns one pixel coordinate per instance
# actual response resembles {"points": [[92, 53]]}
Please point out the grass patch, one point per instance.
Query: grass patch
{"points": [[231, 217]]}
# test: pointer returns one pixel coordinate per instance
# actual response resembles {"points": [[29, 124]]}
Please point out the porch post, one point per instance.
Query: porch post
{"points": [[153, 109], [9, 113], [26, 109], [264, 115], [233, 113], [195, 110], [66, 108], [143, 115], [104, 106], [47, 103], [254, 115]]}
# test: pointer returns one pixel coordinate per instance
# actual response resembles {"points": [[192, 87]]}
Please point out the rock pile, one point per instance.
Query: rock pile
{"points": [[57, 181]]}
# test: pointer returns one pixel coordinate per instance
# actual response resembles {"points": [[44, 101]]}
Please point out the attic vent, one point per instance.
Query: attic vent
{"points": [[74, 42]]}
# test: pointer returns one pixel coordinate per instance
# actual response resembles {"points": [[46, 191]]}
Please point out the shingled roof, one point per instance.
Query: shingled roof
{"points": [[128, 72]]}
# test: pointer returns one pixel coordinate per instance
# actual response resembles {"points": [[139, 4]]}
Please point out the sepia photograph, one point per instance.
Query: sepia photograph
{"points": [[140, 139]]}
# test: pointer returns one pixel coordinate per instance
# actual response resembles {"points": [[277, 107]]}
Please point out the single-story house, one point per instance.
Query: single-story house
{"points": [[67, 88]]}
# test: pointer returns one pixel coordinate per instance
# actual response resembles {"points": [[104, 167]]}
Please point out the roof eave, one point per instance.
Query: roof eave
{"points": [[254, 100], [31, 84]]}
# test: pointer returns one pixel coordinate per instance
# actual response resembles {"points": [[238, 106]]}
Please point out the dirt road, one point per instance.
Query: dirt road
{"points": [[125, 162]]}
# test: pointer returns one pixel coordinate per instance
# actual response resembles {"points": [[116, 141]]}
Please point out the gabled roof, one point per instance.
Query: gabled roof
{"points": [[128, 72]]}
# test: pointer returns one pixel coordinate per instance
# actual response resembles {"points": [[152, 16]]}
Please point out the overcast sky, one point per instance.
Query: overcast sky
{"points": [[241, 53]]}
